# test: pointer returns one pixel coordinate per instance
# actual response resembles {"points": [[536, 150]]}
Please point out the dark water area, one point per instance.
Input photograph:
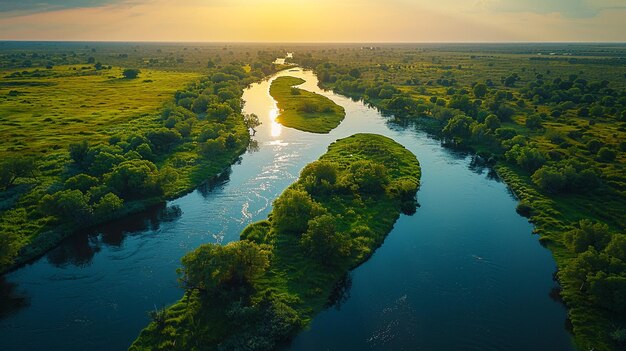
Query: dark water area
{"points": [[463, 273]]}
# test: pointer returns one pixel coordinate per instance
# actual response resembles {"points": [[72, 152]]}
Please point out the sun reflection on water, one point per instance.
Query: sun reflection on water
{"points": [[276, 127]]}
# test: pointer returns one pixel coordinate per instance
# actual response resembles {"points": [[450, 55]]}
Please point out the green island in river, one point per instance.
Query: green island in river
{"points": [[304, 110], [257, 292]]}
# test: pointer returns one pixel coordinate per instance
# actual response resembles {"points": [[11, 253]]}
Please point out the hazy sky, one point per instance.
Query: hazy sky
{"points": [[315, 20]]}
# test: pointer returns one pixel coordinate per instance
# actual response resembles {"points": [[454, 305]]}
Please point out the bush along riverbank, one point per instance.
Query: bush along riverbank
{"points": [[143, 162], [256, 293], [556, 139], [304, 110]]}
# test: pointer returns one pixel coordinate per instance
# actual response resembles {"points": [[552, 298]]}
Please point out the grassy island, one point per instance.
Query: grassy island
{"points": [[256, 293], [304, 110]]}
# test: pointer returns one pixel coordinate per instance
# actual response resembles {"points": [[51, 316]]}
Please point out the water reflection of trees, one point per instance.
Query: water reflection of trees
{"points": [[340, 293], [207, 188], [477, 163], [11, 300], [253, 146], [79, 249]]}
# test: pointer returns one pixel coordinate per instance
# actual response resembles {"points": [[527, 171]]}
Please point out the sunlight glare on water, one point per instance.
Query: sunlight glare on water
{"points": [[276, 127]]}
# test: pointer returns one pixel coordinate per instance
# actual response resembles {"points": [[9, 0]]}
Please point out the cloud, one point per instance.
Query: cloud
{"points": [[566, 8], [320, 20], [12, 8]]}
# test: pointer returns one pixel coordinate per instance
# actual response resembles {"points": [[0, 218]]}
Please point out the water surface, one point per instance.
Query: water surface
{"points": [[463, 273]]}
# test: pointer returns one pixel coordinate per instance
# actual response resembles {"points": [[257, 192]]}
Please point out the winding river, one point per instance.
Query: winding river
{"points": [[463, 273]]}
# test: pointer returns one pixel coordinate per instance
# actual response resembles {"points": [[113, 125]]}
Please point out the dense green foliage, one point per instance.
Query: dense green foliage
{"points": [[553, 126], [82, 145], [304, 110], [256, 293]]}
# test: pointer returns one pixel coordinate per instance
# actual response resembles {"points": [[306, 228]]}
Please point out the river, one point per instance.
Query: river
{"points": [[463, 273]]}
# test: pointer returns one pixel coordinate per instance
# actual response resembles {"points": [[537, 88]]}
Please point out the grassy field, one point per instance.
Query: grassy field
{"points": [[304, 110], [575, 93], [375, 180], [43, 110], [82, 144]]}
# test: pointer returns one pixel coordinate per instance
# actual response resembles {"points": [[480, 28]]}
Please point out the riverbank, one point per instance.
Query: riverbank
{"points": [[304, 110], [328, 222], [571, 195], [141, 163]]}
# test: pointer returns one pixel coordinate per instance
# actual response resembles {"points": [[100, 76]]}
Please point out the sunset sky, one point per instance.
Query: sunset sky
{"points": [[314, 20]]}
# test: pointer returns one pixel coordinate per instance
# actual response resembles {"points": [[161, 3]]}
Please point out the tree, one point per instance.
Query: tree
{"points": [[355, 73], [11, 240], [550, 179], [134, 178], [319, 176], [107, 207], [480, 90], [594, 145], [70, 205], [321, 171], [213, 147], [145, 151], [401, 104], [463, 103], [200, 104], [103, 162], [78, 152], [82, 182], [322, 240], [293, 210], [220, 111], [527, 157], [588, 234], [13, 168], [213, 267], [606, 155], [534, 122], [163, 139], [368, 176], [617, 247], [459, 126], [492, 122], [511, 80], [131, 73], [252, 121]]}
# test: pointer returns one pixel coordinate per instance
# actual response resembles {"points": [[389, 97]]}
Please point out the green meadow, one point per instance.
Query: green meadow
{"points": [[43, 110]]}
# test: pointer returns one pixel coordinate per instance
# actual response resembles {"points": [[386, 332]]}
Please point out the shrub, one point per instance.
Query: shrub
{"points": [[293, 210], [606, 155], [82, 182], [322, 239], [131, 73], [134, 178], [368, 176], [588, 234], [107, 207], [214, 267], [533, 122], [70, 205]]}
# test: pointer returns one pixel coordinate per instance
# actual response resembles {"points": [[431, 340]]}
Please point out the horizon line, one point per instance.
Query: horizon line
{"points": [[304, 42]]}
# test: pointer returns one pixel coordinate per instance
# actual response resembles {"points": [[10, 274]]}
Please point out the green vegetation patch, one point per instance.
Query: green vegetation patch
{"points": [[304, 110], [93, 148], [45, 113], [258, 292], [554, 128]]}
